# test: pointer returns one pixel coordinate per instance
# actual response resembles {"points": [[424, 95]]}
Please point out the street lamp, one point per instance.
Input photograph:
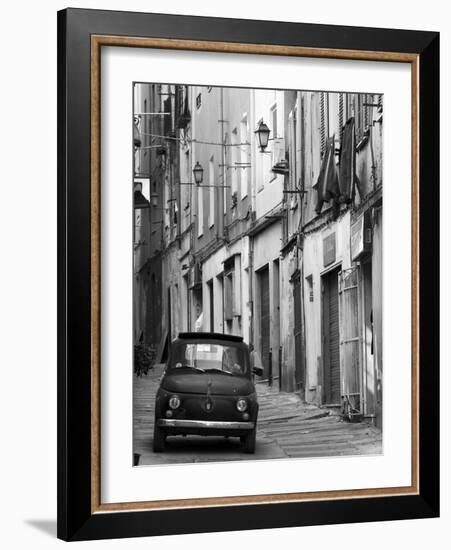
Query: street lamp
{"points": [[154, 199], [198, 173], [136, 134], [262, 135]]}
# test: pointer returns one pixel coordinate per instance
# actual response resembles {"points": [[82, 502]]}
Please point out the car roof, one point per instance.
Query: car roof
{"points": [[209, 336]]}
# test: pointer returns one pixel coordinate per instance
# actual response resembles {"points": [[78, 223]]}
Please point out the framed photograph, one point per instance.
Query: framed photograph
{"points": [[248, 274]]}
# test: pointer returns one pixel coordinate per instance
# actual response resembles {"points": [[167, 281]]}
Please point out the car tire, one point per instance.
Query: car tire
{"points": [[249, 441], [159, 438]]}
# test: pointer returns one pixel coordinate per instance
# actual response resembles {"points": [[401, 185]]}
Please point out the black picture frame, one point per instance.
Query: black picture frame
{"points": [[76, 520]]}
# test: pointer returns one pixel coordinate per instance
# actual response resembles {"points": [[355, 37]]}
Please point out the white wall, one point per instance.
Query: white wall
{"points": [[268, 184], [28, 296], [314, 267]]}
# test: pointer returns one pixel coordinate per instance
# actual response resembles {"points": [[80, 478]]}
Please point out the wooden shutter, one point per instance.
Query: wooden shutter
{"points": [[237, 286], [292, 149], [228, 296], [340, 117], [350, 340], [323, 133], [299, 363]]}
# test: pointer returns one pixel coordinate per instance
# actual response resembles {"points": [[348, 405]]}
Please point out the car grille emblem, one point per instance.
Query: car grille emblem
{"points": [[208, 406], [208, 402]]}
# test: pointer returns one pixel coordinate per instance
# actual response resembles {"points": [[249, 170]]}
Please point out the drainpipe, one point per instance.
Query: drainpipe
{"points": [[223, 162], [373, 164], [301, 234], [251, 290], [191, 205], [253, 209], [222, 204]]}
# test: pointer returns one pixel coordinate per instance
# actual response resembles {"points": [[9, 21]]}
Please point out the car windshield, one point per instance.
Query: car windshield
{"points": [[206, 356]]}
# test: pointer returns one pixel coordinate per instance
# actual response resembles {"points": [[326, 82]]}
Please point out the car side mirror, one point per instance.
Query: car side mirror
{"points": [[256, 366], [258, 371]]}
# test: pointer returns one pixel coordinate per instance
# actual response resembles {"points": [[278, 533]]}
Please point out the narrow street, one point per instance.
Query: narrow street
{"points": [[287, 428]]}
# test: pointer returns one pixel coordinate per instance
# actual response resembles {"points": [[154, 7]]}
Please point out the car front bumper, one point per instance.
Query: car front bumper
{"points": [[204, 427]]}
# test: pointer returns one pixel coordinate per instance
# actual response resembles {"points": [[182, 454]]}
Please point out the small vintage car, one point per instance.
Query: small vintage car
{"points": [[207, 389]]}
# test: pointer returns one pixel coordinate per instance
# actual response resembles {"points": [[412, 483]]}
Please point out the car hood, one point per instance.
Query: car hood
{"points": [[207, 382]]}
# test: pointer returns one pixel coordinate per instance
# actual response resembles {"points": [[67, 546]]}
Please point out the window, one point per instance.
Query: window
{"points": [[244, 159], [204, 355], [292, 152], [228, 296], [274, 121], [259, 163], [200, 211], [363, 106], [335, 118], [175, 210], [226, 158], [211, 191], [309, 280], [341, 116], [324, 118], [137, 226], [145, 127], [275, 135], [234, 157]]}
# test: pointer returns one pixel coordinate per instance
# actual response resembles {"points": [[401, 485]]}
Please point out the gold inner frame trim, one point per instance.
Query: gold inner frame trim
{"points": [[97, 41]]}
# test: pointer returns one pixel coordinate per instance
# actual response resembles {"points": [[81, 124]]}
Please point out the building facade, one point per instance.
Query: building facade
{"points": [[281, 244]]}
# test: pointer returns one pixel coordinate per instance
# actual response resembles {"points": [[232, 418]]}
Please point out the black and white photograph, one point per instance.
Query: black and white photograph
{"points": [[257, 264], [225, 308]]}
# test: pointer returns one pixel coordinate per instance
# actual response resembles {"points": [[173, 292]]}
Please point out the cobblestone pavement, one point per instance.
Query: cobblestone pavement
{"points": [[286, 428]]}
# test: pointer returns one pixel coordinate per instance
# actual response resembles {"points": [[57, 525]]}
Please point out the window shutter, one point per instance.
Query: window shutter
{"points": [[228, 296], [366, 110], [323, 122], [168, 118], [340, 116], [292, 149], [237, 286], [350, 341]]}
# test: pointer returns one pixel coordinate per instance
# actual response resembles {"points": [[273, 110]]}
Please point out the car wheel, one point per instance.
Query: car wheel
{"points": [[249, 441], [158, 440]]}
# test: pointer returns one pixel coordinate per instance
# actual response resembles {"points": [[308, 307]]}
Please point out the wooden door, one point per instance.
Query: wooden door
{"points": [[298, 351], [331, 339], [212, 305], [264, 319], [169, 316]]}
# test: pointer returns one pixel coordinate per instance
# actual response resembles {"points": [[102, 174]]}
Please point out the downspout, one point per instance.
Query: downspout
{"points": [[253, 209], [224, 193], [300, 110], [191, 236], [373, 164]]}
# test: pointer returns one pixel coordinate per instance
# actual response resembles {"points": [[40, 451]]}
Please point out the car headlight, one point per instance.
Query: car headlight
{"points": [[174, 402], [241, 405]]}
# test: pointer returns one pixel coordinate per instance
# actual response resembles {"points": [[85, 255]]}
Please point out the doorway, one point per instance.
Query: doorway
{"points": [[169, 316], [211, 305], [299, 371], [331, 338], [263, 276]]}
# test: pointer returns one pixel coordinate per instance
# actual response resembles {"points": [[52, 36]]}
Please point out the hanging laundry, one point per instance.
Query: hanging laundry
{"points": [[347, 172], [327, 186]]}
